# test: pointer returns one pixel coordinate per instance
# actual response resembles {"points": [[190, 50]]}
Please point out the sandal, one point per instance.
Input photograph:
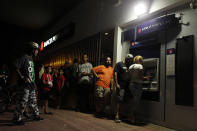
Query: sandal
{"points": [[117, 120]]}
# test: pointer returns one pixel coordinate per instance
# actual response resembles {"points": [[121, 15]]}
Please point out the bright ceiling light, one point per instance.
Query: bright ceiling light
{"points": [[106, 33], [140, 9]]}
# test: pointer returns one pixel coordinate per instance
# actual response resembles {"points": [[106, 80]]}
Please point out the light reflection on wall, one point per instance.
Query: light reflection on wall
{"points": [[90, 46], [60, 61]]}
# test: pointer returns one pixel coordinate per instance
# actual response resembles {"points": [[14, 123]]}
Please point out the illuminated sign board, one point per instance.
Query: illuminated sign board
{"points": [[48, 42], [65, 33], [156, 25]]}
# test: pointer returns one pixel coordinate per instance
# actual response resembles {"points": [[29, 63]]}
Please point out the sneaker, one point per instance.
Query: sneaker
{"points": [[37, 118], [117, 120], [26, 115]]}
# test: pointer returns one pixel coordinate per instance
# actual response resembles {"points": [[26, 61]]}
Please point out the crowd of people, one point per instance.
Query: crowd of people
{"points": [[92, 86]]}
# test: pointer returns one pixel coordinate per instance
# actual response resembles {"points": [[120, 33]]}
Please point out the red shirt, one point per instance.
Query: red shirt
{"points": [[47, 78], [60, 81]]}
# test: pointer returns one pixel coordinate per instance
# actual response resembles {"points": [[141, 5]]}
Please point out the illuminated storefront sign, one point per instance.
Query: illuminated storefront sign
{"points": [[51, 40], [42, 46], [48, 42], [65, 33]]}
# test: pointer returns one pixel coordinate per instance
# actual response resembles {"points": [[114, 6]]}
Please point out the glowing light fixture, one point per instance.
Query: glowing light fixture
{"points": [[106, 33], [140, 9]]}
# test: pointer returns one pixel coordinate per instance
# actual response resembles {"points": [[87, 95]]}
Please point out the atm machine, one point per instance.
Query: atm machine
{"points": [[151, 68]]}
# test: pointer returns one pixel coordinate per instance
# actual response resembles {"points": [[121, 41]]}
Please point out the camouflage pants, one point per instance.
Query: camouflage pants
{"points": [[27, 98]]}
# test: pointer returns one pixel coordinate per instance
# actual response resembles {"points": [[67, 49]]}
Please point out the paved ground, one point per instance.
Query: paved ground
{"points": [[66, 120]]}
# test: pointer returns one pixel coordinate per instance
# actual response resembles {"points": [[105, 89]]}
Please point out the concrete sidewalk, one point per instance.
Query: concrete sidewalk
{"points": [[65, 120]]}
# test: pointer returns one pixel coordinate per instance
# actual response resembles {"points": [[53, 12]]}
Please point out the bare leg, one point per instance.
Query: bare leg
{"points": [[118, 110], [45, 106], [117, 117]]}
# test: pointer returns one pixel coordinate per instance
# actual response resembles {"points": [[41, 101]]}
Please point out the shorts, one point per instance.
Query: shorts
{"points": [[136, 91], [101, 92], [120, 93]]}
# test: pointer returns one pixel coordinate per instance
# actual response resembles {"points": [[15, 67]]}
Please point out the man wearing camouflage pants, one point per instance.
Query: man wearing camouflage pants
{"points": [[27, 96]]}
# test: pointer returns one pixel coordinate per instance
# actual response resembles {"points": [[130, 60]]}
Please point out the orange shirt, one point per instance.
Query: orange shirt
{"points": [[105, 75]]}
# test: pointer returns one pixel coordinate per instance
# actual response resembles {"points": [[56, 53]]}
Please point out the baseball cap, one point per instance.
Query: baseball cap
{"points": [[129, 56]]}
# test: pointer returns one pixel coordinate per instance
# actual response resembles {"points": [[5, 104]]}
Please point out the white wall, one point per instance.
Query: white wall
{"points": [[186, 114]]}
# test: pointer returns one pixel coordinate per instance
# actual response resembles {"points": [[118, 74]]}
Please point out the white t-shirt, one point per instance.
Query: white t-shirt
{"points": [[85, 68], [136, 66], [136, 73]]}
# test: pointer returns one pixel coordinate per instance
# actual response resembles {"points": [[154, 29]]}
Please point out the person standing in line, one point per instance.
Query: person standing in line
{"points": [[74, 71], [25, 68], [135, 86], [121, 78], [85, 77], [60, 85], [47, 81], [39, 82], [104, 85]]}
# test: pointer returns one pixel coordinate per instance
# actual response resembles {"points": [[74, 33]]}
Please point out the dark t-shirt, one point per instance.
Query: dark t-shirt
{"points": [[26, 66], [74, 69], [122, 74]]}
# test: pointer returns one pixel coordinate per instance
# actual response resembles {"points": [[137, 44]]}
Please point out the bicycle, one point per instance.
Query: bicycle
{"points": [[7, 95]]}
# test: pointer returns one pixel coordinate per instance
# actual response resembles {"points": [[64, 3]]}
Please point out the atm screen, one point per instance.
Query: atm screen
{"points": [[151, 69]]}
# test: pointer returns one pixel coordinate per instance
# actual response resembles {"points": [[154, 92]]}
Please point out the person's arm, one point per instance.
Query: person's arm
{"points": [[94, 73], [91, 73], [112, 84], [18, 64], [19, 73], [148, 77], [1, 76], [116, 79], [79, 71], [116, 70], [142, 74], [63, 80], [21, 76]]}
